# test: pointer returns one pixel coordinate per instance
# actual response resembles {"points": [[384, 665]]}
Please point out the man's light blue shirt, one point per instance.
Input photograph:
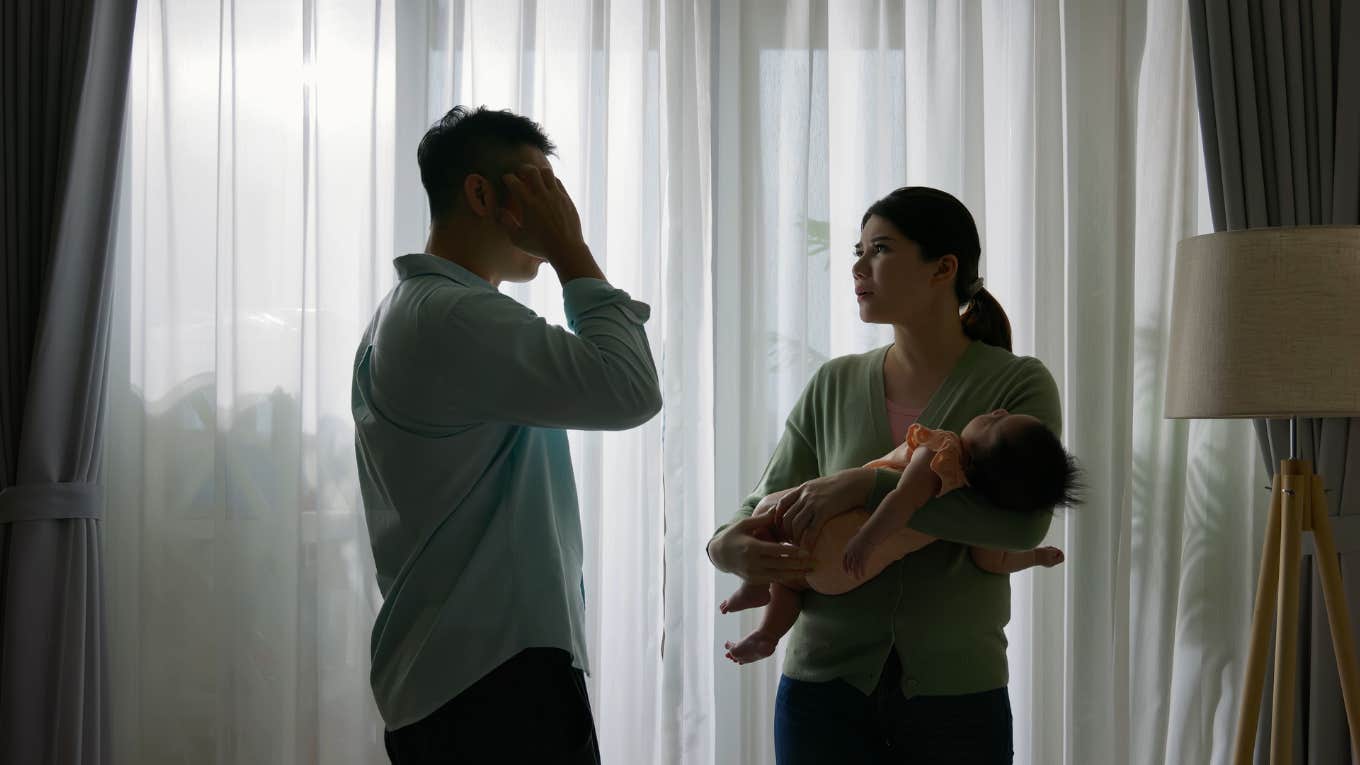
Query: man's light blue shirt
{"points": [[460, 397]]}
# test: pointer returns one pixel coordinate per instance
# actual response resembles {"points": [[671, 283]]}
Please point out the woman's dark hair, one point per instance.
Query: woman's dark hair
{"points": [[940, 225], [1026, 471]]}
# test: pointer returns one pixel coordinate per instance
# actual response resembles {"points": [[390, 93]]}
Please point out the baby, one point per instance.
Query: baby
{"points": [[1013, 460]]}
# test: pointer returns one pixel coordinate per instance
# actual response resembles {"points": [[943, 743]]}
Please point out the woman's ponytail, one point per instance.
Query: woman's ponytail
{"points": [[986, 320]]}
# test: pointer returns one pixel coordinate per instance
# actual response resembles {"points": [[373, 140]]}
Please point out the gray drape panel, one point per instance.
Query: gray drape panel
{"points": [[1279, 98], [63, 87]]}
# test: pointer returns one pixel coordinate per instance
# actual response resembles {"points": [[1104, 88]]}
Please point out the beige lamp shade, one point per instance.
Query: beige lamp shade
{"points": [[1266, 323]]}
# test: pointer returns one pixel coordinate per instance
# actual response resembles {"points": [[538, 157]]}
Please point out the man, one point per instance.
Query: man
{"points": [[460, 395]]}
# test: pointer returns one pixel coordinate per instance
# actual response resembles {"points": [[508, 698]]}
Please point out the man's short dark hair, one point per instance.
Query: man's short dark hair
{"points": [[477, 141]]}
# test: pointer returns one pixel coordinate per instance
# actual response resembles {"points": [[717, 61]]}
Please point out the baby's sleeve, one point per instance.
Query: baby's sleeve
{"points": [[947, 463]]}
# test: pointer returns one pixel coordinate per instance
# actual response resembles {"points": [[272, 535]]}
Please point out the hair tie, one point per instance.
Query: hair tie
{"points": [[975, 287]]}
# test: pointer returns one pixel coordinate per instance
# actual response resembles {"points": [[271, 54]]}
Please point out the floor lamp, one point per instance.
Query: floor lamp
{"points": [[1265, 323]]}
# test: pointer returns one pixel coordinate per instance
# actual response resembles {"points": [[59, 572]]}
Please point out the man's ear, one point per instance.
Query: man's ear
{"points": [[480, 195]]}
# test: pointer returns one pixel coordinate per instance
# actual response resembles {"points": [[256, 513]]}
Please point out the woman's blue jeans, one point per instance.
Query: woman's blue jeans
{"points": [[833, 722]]}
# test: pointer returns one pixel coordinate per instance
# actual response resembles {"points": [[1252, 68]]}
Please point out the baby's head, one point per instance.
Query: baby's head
{"points": [[1017, 463]]}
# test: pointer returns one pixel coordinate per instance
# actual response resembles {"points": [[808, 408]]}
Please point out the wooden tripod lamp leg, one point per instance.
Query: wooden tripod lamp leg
{"points": [[1298, 491], [1253, 684], [1338, 616]]}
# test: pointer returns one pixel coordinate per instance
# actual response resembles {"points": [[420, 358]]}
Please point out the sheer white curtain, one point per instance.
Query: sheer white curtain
{"points": [[622, 89], [270, 178], [255, 230]]}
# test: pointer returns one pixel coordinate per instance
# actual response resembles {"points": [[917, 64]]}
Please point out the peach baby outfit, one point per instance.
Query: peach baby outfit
{"points": [[947, 462], [828, 575]]}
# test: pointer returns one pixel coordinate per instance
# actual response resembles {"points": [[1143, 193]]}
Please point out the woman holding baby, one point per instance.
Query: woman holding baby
{"points": [[889, 572]]}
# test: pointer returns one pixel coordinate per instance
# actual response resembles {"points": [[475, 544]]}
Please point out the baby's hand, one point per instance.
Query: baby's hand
{"points": [[857, 555], [768, 503]]}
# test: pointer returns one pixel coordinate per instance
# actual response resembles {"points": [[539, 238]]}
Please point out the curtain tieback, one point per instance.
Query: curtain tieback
{"points": [[51, 501]]}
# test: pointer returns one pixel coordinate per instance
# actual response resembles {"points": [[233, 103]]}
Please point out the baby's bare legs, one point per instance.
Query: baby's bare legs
{"points": [[748, 595], [1002, 562], [778, 619]]}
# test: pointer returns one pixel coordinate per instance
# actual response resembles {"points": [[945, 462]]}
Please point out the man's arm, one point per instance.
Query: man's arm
{"points": [[504, 363], [495, 360]]}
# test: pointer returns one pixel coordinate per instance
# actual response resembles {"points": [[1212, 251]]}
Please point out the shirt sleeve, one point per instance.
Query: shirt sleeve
{"points": [[499, 361], [962, 515]]}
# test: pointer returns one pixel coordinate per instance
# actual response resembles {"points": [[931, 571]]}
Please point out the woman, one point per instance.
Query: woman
{"points": [[911, 666]]}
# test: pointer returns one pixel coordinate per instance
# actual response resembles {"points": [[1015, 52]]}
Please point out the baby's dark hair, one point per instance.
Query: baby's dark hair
{"points": [[1027, 471]]}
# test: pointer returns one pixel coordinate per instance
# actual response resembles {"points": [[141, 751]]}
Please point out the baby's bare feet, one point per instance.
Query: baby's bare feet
{"points": [[753, 647], [746, 596], [1048, 556]]}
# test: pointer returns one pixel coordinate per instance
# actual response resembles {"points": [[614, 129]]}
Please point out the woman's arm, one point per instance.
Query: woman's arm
{"points": [[793, 462], [962, 515]]}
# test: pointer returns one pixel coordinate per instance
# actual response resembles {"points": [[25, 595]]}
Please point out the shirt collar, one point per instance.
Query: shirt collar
{"points": [[423, 264]]}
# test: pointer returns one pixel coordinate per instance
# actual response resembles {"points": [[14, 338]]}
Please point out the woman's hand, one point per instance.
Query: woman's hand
{"points": [[738, 550], [807, 508]]}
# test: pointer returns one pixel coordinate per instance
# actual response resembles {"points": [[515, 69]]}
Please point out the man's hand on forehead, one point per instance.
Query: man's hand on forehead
{"points": [[547, 223]]}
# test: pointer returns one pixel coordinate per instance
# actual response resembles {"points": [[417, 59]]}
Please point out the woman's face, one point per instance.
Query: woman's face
{"points": [[893, 284]]}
